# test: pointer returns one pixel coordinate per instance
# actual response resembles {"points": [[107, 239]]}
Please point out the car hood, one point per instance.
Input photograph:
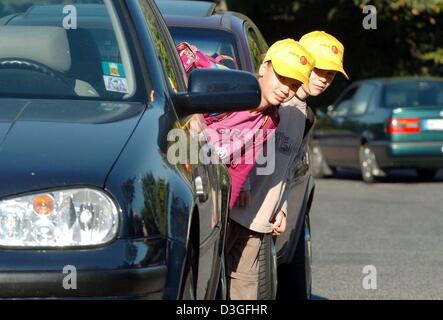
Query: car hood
{"points": [[57, 143]]}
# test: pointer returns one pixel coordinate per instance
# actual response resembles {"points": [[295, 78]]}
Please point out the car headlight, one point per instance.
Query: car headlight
{"points": [[64, 218]]}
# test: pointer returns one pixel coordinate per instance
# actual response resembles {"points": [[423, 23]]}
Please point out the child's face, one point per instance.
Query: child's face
{"points": [[275, 89], [320, 80]]}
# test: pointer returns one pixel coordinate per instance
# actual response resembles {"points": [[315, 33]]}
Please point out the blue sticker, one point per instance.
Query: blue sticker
{"points": [[113, 69]]}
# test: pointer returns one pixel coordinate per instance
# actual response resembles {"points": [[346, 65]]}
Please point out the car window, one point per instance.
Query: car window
{"points": [[361, 99], [342, 108], [344, 104], [256, 54], [213, 42], [160, 43], [412, 94], [263, 45], [64, 49]]}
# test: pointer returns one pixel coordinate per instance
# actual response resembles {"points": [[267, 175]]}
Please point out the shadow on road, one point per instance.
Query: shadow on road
{"points": [[393, 176]]}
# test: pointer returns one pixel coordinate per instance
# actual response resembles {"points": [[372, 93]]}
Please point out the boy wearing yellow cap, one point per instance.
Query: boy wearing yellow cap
{"points": [[328, 54], [264, 207], [286, 66]]}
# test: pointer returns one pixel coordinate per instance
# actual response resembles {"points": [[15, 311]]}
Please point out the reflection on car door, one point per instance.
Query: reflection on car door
{"points": [[204, 176]]}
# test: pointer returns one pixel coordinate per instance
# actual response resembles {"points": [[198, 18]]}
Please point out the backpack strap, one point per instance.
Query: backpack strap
{"points": [[223, 57]]}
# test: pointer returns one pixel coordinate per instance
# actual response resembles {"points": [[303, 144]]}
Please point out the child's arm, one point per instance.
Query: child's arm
{"points": [[279, 224]]}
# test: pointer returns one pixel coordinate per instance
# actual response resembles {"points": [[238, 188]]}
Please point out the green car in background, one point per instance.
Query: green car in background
{"points": [[381, 124]]}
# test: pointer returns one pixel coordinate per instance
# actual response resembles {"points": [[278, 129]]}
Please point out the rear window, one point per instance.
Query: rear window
{"points": [[64, 49], [413, 94], [211, 41]]}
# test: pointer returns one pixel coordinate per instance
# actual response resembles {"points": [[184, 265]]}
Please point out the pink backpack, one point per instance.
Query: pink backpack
{"points": [[193, 58]]}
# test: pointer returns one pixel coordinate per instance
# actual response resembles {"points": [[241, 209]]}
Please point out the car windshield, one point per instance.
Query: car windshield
{"points": [[413, 94], [63, 49], [211, 41]]}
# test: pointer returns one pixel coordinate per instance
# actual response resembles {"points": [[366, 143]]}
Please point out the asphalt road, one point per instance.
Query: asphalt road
{"points": [[395, 226]]}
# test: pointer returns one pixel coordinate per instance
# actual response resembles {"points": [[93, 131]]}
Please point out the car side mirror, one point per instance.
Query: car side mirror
{"points": [[217, 90]]}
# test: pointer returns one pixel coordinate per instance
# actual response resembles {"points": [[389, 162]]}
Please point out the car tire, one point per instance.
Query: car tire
{"points": [[222, 289], [427, 174], [188, 288], [295, 278], [370, 171], [267, 262], [319, 167]]}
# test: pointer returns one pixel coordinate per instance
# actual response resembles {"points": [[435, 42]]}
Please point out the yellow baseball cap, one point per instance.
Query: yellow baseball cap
{"points": [[290, 59], [327, 50]]}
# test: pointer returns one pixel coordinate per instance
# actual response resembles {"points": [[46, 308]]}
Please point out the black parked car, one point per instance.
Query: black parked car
{"points": [[88, 96], [231, 33], [382, 124]]}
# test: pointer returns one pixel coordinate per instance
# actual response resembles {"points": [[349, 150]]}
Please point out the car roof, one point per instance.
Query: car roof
{"points": [[390, 80], [186, 8], [213, 21], [218, 20], [195, 13]]}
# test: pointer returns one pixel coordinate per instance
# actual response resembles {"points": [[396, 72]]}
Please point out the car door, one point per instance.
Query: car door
{"points": [[333, 135], [201, 173], [355, 123]]}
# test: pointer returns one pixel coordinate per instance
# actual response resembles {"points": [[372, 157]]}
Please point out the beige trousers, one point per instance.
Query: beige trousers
{"points": [[242, 249]]}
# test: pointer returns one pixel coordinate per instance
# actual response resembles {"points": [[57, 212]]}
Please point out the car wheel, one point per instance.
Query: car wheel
{"points": [[295, 278], [370, 171], [427, 174], [267, 262], [319, 167], [188, 291], [222, 289]]}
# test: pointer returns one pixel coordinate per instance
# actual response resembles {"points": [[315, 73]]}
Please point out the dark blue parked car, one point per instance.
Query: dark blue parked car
{"points": [[231, 33], [88, 96]]}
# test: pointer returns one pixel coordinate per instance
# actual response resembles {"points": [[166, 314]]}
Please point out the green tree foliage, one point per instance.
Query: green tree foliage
{"points": [[408, 40]]}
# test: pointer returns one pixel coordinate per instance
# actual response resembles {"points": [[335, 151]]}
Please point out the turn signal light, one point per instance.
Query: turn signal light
{"points": [[43, 205]]}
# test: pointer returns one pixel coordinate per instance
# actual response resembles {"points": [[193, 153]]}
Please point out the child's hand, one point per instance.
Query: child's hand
{"points": [[279, 223], [244, 199]]}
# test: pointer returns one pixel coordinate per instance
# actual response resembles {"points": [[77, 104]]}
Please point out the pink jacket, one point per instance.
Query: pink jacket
{"points": [[238, 139]]}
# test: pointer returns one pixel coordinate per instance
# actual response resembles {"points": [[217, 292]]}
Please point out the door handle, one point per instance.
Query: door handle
{"points": [[200, 189]]}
